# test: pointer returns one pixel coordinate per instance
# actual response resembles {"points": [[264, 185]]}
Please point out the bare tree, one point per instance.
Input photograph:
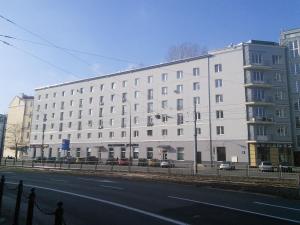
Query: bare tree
{"points": [[14, 138], [185, 50]]}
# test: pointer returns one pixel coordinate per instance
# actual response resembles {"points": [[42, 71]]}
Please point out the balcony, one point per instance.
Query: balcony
{"points": [[261, 120], [256, 83], [261, 138], [250, 100], [263, 65]]}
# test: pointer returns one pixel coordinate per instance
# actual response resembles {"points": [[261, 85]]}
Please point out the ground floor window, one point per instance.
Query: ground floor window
{"points": [[136, 152], [298, 140], [68, 153], [180, 153], [111, 153], [149, 153], [164, 155], [58, 153], [221, 154], [263, 154], [78, 152], [34, 153], [50, 153], [123, 153], [88, 152]]}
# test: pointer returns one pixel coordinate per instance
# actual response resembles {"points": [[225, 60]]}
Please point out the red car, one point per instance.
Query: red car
{"points": [[123, 162]]}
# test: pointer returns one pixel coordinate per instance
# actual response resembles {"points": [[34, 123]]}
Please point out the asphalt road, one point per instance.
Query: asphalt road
{"points": [[92, 200]]}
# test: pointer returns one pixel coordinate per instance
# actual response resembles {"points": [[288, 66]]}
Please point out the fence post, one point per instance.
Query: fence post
{"points": [[247, 170], [81, 165], [32, 164], [5, 161], [18, 203], [279, 172], [69, 164], [60, 163], [96, 165], [59, 212], [1, 192], [30, 208]]}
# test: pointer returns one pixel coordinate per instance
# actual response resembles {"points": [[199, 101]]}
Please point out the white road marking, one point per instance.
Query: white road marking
{"points": [[277, 206], [112, 187], [236, 209], [101, 181], [109, 203], [58, 180]]}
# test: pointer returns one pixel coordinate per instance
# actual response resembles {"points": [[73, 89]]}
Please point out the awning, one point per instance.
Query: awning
{"points": [[101, 148], [164, 146]]}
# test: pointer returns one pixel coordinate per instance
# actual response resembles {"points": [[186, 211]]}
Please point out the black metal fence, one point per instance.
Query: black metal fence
{"points": [[58, 213]]}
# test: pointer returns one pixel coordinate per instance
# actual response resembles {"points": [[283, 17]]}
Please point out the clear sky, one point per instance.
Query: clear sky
{"points": [[135, 31]]}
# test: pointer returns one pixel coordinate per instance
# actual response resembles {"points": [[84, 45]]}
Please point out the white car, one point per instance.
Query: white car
{"points": [[226, 166], [167, 164], [266, 166]]}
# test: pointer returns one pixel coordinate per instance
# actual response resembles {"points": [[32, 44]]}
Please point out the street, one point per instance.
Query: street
{"points": [[90, 200]]}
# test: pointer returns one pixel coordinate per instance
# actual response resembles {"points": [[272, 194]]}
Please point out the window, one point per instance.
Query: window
{"points": [[89, 135], [101, 100], [179, 104], [297, 119], [100, 112], [196, 71], [80, 103], [164, 118], [135, 133], [179, 74], [179, 88], [99, 134], [123, 153], [221, 154], [220, 130], [164, 77], [294, 48], [53, 105], [218, 83], [90, 123], [164, 90], [136, 94], [196, 86], [69, 124], [180, 153], [91, 89], [198, 116], [257, 76], [280, 94], [124, 109], [90, 100], [79, 114], [295, 68], [150, 94], [79, 126], [164, 104], [297, 105], [179, 118], [123, 134], [297, 86], [219, 114], [149, 132], [150, 79], [281, 113], [72, 92], [111, 153], [136, 107], [256, 58], [150, 121], [164, 132], [218, 68], [46, 106], [52, 125], [198, 130], [113, 85], [112, 98], [136, 81], [276, 59], [63, 93], [111, 122], [197, 100], [282, 131], [150, 107], [111, 134], [278, 77], [123, 122], [59, 136], [77, 152], [90, 112], [100, 124], [180, 131], [124, 83], [62, 105], [149, 153], [60, 126], [136, 120], [258, 94], [136, 152], [54, 94], [124, 97], [81, 90], [78, 135], [261, 130], [219, 98], [101, 87], [71, 102], [39, 98]]}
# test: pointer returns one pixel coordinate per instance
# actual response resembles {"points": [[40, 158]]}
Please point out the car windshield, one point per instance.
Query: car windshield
{"points": [[266, 163]]}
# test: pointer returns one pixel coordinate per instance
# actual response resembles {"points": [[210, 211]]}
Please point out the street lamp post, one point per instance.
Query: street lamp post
{"points": [[43, 139]]}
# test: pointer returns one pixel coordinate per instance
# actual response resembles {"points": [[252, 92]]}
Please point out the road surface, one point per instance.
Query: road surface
{"points": [[90, 200]]}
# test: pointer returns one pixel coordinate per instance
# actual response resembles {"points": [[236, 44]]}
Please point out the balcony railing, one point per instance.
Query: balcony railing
{"points": [[268, 99], [267, 137]]}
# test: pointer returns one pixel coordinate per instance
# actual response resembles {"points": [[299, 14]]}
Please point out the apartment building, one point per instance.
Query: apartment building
{"points": [[2, 132], [291, 40], [242, 110], [17, 135]]}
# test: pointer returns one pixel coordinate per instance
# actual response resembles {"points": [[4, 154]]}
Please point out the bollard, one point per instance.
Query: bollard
{"points": [[30, 208], [18, 203], [1, 191], [59, 212]]}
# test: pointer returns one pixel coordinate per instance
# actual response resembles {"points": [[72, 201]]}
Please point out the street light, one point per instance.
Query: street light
{"points": [[43, 138]]}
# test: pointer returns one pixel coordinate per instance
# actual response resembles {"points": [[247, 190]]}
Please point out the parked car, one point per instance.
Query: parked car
{"points": [[225, 165], [142, 162], [285, 167], [111, 161], [266, 166], [167, 164], [154, 162], [123, 162]]}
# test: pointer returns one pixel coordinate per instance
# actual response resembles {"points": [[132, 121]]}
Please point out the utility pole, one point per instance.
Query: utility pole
{"points": [[195, 135], [130, 141]]}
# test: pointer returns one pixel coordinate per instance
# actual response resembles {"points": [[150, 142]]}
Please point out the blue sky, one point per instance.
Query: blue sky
{"points": [[131, 30]]}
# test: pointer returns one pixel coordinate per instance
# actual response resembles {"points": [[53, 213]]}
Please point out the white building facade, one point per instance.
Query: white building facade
{"points": [[237, 94]]}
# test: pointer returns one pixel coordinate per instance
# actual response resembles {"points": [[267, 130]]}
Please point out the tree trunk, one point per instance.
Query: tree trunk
{"points": [[16, 153]]}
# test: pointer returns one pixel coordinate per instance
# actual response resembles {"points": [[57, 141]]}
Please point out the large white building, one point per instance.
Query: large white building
{"points": [[242, 110]]}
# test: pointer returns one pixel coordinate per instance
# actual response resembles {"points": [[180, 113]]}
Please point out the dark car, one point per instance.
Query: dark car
{"points": [[143, 162], [111, 161], [285, 167]]}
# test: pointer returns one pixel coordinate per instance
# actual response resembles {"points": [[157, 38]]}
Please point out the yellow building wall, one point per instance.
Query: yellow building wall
{"points": [[274, 155], [252, 148]]}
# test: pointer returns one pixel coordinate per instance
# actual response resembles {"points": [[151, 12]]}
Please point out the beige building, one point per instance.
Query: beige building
{"points": [[18, 127]]}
